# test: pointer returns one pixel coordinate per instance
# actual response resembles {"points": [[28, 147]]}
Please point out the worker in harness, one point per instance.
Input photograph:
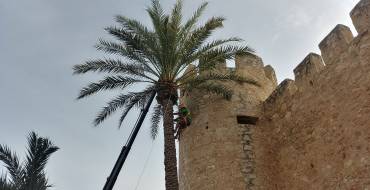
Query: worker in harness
{"points": [[182, 121]]}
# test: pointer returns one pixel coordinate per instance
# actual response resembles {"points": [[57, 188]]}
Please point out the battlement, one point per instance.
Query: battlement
{"points": [[313, 133], [248, 62], [311, 65], [247, 65], [338, 47], [282, 93], [360, 16], [270, 74], [335, 44]]}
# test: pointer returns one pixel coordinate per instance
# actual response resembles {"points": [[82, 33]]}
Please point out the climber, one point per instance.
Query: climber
{"points": [[183, 120]]}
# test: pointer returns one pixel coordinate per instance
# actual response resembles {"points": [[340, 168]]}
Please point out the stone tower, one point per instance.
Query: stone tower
{"points": [[214, 151]]}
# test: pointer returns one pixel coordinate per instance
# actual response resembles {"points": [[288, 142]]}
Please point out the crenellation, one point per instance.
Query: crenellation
{"points": [[249, 65], [285, 89], [189, 72], [310, 66], [364, 48], [247, 59], [270, 74], [335, 44], [360, 16], [221, 66]]}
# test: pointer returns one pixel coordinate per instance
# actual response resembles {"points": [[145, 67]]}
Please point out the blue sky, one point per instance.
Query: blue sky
{"points": [[40, 41]]}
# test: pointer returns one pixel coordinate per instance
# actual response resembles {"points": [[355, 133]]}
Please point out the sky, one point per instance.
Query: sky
{"points": [[41, 40]]}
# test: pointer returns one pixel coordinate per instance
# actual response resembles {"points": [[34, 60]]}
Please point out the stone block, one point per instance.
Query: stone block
{"points": [[335, 44], [247, 138], [311, 65], [361, 16], [285, 88], [270, 74], [221, 66], [249, 64], [247, 147]]}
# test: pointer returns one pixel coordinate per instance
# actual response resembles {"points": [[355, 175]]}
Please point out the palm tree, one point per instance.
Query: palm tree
{"points": [[30, 175], [159, 57]]}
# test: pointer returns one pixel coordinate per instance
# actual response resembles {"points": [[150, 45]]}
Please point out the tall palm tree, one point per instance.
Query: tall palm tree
{"points": [[158, 56], [30, 175]]}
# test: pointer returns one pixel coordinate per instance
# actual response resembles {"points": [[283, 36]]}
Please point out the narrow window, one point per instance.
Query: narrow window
{"points": [[243, 119]]}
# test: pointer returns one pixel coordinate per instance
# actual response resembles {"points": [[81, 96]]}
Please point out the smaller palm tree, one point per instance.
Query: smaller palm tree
{"points": [[30, 175]]}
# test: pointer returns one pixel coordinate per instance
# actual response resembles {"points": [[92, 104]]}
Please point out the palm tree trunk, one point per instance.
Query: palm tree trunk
{"points": [[170, 160]]}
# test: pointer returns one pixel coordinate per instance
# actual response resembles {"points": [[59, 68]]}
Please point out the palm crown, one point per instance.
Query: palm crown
{"points": [[30, 175]]}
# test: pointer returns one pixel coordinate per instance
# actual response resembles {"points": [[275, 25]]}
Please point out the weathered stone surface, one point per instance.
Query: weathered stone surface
{"points": [[285, 88], [335, 44], [307, 69], [215, 138], [318, 137], [270, 73], [361, 16], [249, 64]]}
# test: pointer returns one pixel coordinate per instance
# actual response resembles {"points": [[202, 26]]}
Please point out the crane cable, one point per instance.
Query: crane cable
{"points": [[145, 165], [133, 129]]}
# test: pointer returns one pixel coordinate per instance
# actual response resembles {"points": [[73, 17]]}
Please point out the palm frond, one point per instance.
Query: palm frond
{"points": [[129, 39], [142, 45], [188, 26], [11, 162], [224, 52], [115, 66], [211, 58], [113, 105], [119, 49], [109, 66], [155, 120], [176, 15], [108, 83], [135, 27], [38, 153], [218, 77], [215, 88], [199, 35], [186, 60], [148, 37], [4, 184], [139, 99], [159, 20], [174, 36], [216, 43], [31, 174], [127, 52]]}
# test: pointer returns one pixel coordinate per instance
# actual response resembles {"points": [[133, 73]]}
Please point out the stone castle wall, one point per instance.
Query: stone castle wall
{"points": [[313, 132]]}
